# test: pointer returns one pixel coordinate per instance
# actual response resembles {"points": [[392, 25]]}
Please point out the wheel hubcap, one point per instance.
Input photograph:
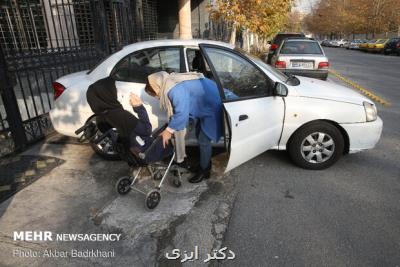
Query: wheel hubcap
{"points": [[317, 147]]}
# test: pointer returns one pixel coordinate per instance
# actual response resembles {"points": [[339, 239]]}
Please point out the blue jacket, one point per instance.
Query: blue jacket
{"points": [[197, 99]]}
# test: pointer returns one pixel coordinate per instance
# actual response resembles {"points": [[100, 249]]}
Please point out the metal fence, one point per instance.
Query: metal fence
{"points": [[41, 40]]}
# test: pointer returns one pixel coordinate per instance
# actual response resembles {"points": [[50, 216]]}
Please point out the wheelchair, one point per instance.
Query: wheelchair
{"points": [[138, 162]]}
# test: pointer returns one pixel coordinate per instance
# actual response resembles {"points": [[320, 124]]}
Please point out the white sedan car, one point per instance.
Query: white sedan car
{"points": [[316, 121]]}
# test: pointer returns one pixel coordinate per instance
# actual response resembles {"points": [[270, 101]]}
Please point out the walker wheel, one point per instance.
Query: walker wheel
{"points": [[152, 199], [177, 182], [123, 185], [157, 176]]}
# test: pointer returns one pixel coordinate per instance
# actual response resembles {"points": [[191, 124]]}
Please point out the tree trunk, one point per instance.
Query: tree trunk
{"points": [[185, 20], [246, 40], [232, 39]]}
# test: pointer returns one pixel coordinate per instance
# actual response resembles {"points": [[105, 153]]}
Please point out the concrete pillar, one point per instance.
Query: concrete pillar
{"points": [[185, 20], [61, 26]]}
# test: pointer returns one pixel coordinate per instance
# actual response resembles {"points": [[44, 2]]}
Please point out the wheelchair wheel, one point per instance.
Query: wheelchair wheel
{"points": [[123, 185], [153, 199]]}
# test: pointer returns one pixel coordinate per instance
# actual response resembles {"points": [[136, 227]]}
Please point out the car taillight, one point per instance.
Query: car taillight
{"points": [[398, 45], [280, 64], [58, 89], [323, 65], [274, 47]]}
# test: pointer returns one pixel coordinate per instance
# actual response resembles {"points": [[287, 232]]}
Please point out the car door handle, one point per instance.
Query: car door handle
{"points": [[243, 117]]}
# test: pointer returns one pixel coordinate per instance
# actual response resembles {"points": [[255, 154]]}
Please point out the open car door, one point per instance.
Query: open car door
{"points": [[255, 117]]}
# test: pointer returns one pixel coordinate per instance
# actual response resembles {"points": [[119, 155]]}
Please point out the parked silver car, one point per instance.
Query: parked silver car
{"points": [[355, 44], [302, 57]]}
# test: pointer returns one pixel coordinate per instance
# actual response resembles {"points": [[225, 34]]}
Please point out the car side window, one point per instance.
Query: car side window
{"points": [[138, 65], [197, 63], [238, 75]]}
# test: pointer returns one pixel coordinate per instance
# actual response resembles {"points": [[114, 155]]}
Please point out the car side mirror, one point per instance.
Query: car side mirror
{"points": [[280, 89]]}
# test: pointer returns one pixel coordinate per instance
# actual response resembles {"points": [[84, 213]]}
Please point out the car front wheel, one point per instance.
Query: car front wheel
{"points": [[316, 146]]}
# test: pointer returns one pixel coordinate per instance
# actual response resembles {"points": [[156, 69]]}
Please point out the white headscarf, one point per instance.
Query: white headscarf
{"points": [[162, 82]]}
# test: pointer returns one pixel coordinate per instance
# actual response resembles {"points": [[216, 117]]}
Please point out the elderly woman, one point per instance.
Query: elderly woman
{"points": [[135, 131], [184, 96]]}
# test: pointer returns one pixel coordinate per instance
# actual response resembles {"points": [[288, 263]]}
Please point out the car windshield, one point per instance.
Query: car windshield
{"points": [[301, 47], [381, 41], [280, 75]]}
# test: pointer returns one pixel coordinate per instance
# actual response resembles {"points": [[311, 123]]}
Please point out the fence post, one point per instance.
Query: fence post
{"points": [[139, 19], [14, 118], [102, 29]]}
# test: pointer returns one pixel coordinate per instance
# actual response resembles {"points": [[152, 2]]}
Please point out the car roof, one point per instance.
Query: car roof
{"points": [[281, 36], [105, 67], [290, 33], [173, 42], [299, 39]]}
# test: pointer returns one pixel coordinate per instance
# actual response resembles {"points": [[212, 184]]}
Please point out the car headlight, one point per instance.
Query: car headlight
{"points": [[370, 111]]}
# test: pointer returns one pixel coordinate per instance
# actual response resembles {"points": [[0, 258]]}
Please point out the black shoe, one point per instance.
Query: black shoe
{"points": [[199, 176]]}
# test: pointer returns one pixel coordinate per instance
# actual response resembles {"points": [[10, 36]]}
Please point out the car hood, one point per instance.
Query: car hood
{"points": [[72, 78], [314, 88]]}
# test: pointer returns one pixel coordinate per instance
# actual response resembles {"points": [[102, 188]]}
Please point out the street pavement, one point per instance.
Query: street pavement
{"points": [[78, 197], [347, 215]]}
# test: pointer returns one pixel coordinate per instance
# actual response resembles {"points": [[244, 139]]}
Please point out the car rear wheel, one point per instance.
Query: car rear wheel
{"points": [[316, 146]]}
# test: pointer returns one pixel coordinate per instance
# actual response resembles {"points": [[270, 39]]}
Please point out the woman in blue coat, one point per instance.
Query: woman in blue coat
{"points": [[185, 96]]}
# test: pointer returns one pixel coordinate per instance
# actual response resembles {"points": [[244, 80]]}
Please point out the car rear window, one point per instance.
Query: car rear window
{"points": [[301, 47]]}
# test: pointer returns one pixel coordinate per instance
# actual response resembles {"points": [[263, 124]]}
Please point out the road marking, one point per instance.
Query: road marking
{"points": [[363, 90]]}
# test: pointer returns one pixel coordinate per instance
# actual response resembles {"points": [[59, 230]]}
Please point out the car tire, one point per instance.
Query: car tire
{"points": [[316, 146]]}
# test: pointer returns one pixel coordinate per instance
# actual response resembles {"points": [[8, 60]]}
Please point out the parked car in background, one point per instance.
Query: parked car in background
{"points": [[364, 46], [398, 49], [315, 121], [326, 43], [278, 39], [355, 44], [378, 46], [334, 43], [392, 46], [347, 44], [301, 57], [341, 42], [371, 45]]}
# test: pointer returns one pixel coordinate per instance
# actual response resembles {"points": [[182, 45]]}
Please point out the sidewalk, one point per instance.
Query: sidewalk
{"points": [[78, 196]]}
